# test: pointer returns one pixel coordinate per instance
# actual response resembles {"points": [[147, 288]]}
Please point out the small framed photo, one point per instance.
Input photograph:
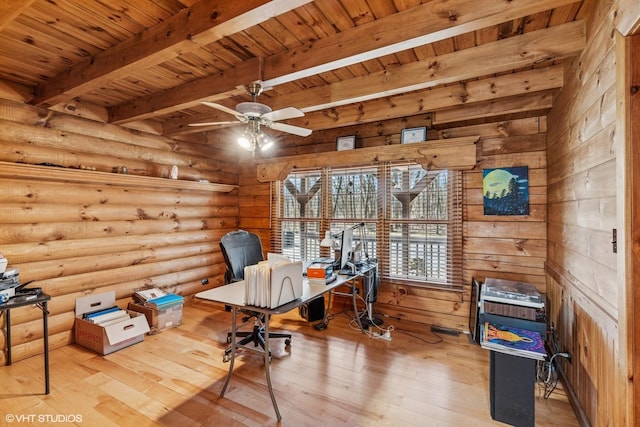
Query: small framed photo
{"points": [[346, 143], [413, 135]]}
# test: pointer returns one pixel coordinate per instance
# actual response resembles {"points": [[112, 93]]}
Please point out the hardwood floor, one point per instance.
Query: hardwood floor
{"points": [[335, 377]]}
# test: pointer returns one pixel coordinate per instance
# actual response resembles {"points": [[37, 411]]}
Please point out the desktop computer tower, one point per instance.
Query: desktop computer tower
{"points": [[313, 310], [370, 285]]}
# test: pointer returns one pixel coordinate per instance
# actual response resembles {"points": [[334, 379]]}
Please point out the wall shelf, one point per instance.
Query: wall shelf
{"points": [[454, 153], [59, 174]]}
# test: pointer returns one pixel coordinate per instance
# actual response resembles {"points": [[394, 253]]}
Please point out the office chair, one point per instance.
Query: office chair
{"points": [[240, 249]]}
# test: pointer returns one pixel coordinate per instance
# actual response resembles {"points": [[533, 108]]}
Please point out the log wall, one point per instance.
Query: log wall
{"points": [[511, 247], [584, 293], [74, 226]]}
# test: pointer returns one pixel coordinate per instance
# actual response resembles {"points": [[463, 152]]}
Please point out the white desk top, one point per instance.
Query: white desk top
{"points": [[233, 294]]}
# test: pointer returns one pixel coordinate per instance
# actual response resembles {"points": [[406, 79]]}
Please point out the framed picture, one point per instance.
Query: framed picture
{"points": [[506, 191], [346, 143], [413, 135]]}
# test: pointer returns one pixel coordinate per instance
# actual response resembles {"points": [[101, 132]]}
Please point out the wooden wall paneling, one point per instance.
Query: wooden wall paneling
{"points": [[254, 201], [582, 272], [590, 335], [77, 232], [517, 244]]}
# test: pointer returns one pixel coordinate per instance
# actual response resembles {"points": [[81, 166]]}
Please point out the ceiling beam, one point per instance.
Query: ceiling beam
{"points": [[430, 22], [626, 16], [427, 23], [226, 83], [444, 98], [414, 103], [10, 10], [543, 46], [192, 28], [540, 101], [450, 98], [534, 48]]}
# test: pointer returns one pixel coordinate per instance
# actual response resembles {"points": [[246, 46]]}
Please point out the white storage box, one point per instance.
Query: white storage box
{"points": [[112, 337], [160, 319]]}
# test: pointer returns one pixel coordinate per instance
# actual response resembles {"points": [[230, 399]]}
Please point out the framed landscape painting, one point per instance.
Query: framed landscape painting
{"points": [[506, 191]]}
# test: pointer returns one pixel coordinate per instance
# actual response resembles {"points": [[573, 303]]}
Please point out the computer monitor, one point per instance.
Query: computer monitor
{"points": [[346, 246]]}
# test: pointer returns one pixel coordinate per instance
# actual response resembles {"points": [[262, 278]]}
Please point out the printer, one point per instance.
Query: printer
{"points": [[9, 281]]}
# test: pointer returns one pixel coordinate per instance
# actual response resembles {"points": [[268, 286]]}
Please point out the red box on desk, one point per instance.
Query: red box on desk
{"points": [[319, 271], [107, 339]]}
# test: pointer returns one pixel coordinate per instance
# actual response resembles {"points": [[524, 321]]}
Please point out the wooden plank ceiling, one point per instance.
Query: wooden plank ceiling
{"points": [[148, 64]]}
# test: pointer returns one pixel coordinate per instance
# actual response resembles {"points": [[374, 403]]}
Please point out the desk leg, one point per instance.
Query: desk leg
{"points": [[354, 293], [325, 317], [267, 363], [45, 329], [233, 351], [7, 318]]}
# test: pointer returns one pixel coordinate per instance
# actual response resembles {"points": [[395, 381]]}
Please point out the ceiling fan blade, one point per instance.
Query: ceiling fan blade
{"points": [[296, 130], [283, 114], [214, 123], [220, 107]]}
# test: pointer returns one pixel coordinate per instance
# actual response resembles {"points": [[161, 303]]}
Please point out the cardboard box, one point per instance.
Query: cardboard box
{"points": [[159, 319], [107, 339], [319, 271]]}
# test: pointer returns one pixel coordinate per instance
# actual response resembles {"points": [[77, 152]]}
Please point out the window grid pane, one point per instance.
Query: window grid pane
{"points": [[412, 219], [301, 239]]}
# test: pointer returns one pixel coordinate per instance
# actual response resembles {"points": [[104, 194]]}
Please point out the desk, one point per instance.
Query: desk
{"points": [[41, 302], [233, 296]]}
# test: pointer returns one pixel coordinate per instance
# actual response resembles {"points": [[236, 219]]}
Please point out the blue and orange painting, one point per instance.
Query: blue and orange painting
{"points": [[506, 191]]}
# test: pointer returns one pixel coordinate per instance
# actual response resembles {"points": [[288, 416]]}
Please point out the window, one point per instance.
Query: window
{"points": [[408, 218]]}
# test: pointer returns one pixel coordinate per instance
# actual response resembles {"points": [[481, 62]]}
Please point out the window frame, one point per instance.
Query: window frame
{"points": [[382, 223]]}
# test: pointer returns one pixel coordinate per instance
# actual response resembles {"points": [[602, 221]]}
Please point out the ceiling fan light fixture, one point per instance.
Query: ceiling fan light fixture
{"points": [[244, 140], [266, 143]]}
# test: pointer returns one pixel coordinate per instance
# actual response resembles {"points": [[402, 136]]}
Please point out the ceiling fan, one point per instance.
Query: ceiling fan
{"points": [[254, 115]]}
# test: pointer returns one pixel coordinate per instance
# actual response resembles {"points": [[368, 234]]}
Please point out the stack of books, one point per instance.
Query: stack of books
{"points": [[143, 295], [107, 316], [157, 298], [165, 301], [320, 273]]}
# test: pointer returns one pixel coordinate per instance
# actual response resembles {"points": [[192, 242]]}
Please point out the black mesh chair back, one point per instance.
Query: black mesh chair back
{"points": [[240, 249]]}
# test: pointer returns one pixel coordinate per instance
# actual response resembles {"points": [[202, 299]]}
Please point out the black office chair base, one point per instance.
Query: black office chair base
{"points": [[256, 336]]}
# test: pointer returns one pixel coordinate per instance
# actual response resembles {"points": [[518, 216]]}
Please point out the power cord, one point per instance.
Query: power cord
{"points": [[353, 324], [547, 374]]}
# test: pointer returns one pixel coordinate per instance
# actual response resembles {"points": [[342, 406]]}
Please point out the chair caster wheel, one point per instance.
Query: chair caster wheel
{"points": [[228, 340], [287, 342], [225, 358]]}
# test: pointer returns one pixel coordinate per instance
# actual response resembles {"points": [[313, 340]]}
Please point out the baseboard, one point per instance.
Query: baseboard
{"points": [[581, 415]]}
